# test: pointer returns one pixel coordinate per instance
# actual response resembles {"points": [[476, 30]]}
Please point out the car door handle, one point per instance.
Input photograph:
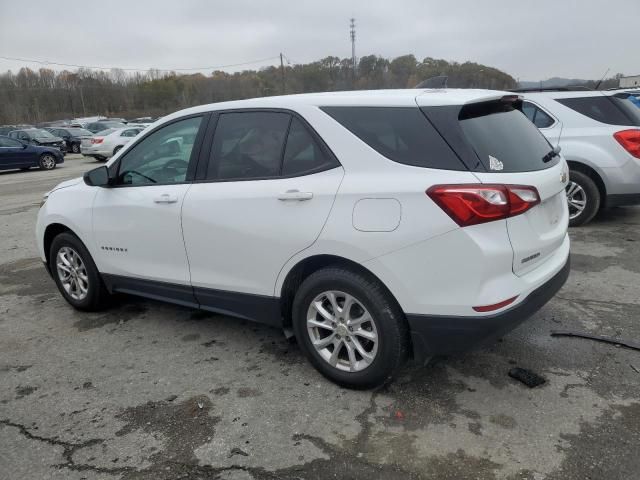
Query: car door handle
{"points": [[295, 195], [166, 198]]}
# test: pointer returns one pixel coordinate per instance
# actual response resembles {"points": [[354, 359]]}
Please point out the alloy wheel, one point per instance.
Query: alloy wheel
{"points": [[342, 331], [576, 198], [72, 273], [48, 162]]}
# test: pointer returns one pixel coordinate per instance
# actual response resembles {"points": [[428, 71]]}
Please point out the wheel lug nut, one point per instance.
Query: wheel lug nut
{"points": [[348, 339], [338, 337], [350, 328]]}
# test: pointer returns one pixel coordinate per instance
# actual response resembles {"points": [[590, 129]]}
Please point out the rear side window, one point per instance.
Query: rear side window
{"points": [[503, 139], [536, 115], [248, 145], [303, 154], [612, 110], [401, 134]]}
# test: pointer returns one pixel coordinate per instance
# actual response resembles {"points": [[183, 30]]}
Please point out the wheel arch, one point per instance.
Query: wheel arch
{"points": [[51, 232], [307, 266], [591, 173]]}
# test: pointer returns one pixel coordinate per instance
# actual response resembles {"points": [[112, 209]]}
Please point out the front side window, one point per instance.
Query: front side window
{"points": [[162, 157], [248, 145], [130, 133], [9, 143]]}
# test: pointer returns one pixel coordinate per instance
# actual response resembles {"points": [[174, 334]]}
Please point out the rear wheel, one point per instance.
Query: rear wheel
{"points": [[583, 198], [47, 162], [350, 328], [75, 148], [117, 149], [75, 273]]}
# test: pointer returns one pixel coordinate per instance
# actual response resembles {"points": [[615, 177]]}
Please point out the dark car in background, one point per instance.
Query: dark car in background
{"points": [[38, 137], [15, 154], [95, 127], [5, 129], [71, 136]]}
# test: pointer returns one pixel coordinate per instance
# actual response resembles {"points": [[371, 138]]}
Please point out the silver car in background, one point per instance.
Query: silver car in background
{"points": [[103, 145], [599, 133]]}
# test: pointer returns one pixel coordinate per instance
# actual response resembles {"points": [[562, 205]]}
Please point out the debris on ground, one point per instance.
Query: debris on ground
{"points": [[611, 340], [635, 369], [529, 378]]}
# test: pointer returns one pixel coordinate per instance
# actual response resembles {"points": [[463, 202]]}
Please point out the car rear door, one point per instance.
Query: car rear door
{"points": [[266, 190], [501, 146]]}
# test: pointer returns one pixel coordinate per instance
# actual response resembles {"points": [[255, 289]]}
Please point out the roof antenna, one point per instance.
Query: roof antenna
{"points": [[434, 82], [600, 81]]}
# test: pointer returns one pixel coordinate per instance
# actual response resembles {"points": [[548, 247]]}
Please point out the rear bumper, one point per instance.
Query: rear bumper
{"points": [[442, 335]]}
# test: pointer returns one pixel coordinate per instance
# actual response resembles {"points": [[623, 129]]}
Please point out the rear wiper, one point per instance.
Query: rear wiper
{"points": [[555, 152]]}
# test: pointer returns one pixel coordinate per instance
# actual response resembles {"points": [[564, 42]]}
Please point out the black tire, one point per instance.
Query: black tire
{"points": [[589, 190], [47, 161], [117, 149], [393, 336], [97, 295], [75, 148]]}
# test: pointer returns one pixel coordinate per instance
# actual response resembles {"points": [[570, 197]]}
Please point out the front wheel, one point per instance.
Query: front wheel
{"points": [[350, 328], [75, 273], [75, 148], [583, 198], [47, 162]]}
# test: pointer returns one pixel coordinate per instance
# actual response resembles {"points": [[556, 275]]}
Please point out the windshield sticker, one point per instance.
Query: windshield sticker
{"points": [[495, 164]]}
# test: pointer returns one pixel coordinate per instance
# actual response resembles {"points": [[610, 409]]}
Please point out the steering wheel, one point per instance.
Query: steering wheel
{"points": [[176, 163]]}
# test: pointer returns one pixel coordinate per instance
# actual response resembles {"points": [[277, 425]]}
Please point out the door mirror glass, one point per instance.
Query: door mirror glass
{"points": [[98, 177]]}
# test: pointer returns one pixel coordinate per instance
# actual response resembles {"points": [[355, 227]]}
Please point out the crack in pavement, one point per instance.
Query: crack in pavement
{"points": [[69, 448]]}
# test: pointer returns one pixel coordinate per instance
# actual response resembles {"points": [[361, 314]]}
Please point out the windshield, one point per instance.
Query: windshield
{"points": [[38, 133], [79, 132], [104, 133]]}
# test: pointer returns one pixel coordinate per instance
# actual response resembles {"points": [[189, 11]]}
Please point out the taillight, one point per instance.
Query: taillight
{"points": [[97, 140], [630, 140], [471, 204]]}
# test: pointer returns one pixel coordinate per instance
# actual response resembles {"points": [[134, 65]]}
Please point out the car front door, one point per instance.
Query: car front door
{"points": [[9, 155], [136, 221], [268, 189]]}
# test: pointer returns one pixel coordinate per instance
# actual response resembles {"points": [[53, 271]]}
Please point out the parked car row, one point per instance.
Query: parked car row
{"points": [[599, 134]]}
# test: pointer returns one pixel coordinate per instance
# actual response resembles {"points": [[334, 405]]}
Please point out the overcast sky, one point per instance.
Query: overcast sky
{"points": [[531, 40]]}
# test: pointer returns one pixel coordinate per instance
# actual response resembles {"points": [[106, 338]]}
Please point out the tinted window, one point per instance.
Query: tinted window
{"points": [[248, 145], [130, 133], [536, 115], [614, 110], [403, 135], [504, 139], [302, 153], [9, 143], [162, 157]]}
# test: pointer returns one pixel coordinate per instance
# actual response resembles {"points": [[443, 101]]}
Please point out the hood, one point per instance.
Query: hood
{"points": [[65, 184]]}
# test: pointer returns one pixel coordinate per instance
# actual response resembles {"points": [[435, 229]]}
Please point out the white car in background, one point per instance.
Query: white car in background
{"points": [[599, 134], [375, 225], [103, 145]]}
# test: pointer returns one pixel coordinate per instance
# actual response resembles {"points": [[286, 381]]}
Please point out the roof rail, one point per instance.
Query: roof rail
{"points": [[569, 88]]}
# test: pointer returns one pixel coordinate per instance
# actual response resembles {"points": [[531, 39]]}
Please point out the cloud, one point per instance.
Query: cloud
{"points": [[529, 40]]}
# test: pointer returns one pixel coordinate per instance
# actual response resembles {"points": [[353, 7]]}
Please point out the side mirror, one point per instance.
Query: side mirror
{"points": [[98, 177], [24, 145]]}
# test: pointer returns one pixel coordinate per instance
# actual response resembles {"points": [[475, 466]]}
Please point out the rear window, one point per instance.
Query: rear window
{"points": [[401, 134], [618, 109], [504, 139]]}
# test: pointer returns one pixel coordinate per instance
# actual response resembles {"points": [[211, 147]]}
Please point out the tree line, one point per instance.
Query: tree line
{"points": [[32, 96]]}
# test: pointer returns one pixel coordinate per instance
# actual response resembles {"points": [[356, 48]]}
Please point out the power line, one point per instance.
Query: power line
{"points": [[211, 67]]}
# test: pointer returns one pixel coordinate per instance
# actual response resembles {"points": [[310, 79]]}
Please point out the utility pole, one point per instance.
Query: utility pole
{"points": [[352, 32], [284, 85]]}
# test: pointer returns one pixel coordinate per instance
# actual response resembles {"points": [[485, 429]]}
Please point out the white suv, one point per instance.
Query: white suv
{"points": [[374, 225], [599, 133]]}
